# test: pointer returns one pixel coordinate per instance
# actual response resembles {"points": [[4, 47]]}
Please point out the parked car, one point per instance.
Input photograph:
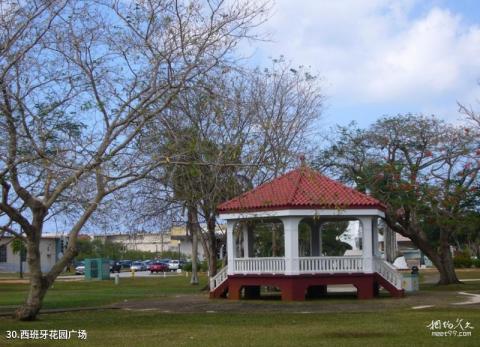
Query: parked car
{"points": [[158, 267], [148, 264], [80, 268], [126, 264], [173, 265], [115, 266], [138, 266]]}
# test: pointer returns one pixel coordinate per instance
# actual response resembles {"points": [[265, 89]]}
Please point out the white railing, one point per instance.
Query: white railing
{"points": [[388, 272], [330, 264], [308, 265], [219, 278], [301, 265], [259, 265]]}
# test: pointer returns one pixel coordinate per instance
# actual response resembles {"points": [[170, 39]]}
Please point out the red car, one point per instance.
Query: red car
{"points": [[158, 267]]}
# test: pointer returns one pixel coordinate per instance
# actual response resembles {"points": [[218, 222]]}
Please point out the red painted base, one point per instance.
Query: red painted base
{"points": [[296, 288]]}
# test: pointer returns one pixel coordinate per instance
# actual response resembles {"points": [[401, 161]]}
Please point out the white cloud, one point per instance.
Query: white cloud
{"points": [[381, 50]]}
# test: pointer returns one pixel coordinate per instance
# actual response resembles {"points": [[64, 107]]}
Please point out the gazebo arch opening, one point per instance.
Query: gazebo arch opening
{"points": [[259, 238], [327, 237]]}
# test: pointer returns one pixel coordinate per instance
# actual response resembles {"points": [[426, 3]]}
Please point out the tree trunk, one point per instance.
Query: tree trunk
{"points": [[29, 310], [194, 279], [38, 283], [444, 263], [390, 244], [21, 263], [212, 243], [193, 226], [441, 257], [212, 265]]}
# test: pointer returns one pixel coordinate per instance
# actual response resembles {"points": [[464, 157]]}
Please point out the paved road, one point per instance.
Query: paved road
{"points": [[126, 274], [147, 274]]}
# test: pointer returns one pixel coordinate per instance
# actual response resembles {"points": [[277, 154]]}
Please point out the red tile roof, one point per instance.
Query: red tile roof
{"points": [[302, 188]]}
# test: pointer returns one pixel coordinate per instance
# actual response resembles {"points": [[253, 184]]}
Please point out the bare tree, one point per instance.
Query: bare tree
{"points": [[235, 129], [472, 116], [78, 83]]}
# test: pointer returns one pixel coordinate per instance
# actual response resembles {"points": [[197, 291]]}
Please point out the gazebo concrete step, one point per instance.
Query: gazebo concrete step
{"points": [[220, 291], [397, 293]]}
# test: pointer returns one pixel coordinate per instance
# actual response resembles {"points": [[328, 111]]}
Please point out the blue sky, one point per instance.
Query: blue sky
{"points": [[381, 57]]}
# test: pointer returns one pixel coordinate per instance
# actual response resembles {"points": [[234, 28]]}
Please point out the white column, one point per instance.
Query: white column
{"points": [[376, 252], [230, 247], [290, 230], [315, 239], [367, 251], [320, 241], [247, 240]]}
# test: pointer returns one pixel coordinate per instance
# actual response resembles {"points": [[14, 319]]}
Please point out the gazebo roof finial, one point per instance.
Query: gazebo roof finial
{"points": [[301, 157]]}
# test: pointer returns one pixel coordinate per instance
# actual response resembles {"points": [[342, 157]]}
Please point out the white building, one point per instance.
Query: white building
{"points": [[181, 240], [175, 240], [50, 250], [140, 241]]}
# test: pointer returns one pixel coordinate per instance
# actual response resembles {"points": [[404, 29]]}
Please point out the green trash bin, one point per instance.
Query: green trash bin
{"points": [[97, 269]]}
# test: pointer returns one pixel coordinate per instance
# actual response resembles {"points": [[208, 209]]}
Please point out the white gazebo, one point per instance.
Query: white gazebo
{"points": [[301, 196]]}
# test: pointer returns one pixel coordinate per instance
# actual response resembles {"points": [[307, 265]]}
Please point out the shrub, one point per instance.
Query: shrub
{"points": [[476, 262], [201, 266], [462, 260], [187, 266]]}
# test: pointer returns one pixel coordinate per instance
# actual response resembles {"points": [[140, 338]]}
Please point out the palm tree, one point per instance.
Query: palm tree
{"points": [[18, 246]]}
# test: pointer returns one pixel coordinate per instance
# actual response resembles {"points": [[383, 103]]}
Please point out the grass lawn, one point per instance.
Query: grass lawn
{"points": [[96, 293], [379, 322], [9, 275], [16, 275], [130, 328]]}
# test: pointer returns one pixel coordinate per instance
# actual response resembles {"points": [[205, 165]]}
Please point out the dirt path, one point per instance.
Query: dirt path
{"points": [[334, 303], [472, 299]]}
